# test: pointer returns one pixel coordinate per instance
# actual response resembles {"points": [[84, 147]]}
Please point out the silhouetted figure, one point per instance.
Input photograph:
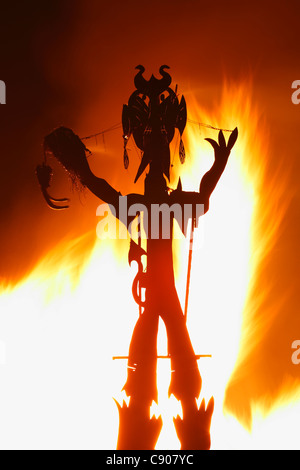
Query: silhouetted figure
{"points": [[151, 116]]}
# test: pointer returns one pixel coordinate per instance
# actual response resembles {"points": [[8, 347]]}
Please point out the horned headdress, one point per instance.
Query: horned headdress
{"points": [[153, 108]]}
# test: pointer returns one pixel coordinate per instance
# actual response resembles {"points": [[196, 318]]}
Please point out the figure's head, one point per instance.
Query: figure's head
{"points": [[151, 116]]}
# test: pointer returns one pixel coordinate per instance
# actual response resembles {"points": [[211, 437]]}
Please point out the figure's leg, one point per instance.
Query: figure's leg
{"points": [[185, 379], [193, 430], [141, 375], [136, 429]]}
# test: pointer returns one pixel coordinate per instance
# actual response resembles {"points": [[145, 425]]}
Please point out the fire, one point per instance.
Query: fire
{"points": [[60, 328], [234, 240], [62, 325]]}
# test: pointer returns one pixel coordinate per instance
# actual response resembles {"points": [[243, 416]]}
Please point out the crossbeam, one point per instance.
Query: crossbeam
{"points": [[197, 356]]}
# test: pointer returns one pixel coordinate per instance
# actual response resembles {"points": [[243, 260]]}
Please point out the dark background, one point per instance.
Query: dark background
{"points": [[72, 63]]}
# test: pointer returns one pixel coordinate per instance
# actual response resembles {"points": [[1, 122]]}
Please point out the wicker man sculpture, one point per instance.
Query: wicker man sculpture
{"points": [[151, 116]]}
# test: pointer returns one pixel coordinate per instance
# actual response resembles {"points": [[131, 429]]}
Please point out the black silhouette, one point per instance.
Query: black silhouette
{"points": [[151, 116]]}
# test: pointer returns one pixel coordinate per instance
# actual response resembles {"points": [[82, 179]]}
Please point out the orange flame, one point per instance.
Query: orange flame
{"points": [[62, 324]]}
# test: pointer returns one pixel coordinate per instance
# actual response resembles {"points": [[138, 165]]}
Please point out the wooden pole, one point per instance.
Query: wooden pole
{"points": [[189, 269]]}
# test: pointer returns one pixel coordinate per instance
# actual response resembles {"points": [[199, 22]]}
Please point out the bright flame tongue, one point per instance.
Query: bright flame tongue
{"points": [[61, 326]]}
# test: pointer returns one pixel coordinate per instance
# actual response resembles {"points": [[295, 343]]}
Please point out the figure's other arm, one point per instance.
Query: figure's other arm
{"points": [[108, 194], [104, 191], [70, 151]]}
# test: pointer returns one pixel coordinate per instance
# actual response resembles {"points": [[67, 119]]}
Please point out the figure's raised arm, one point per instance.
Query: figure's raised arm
{"points": [[199, 201]]}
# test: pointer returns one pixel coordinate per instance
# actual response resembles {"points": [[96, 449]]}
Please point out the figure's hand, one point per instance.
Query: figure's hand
{"points": [[44, 175], [222, 150]]}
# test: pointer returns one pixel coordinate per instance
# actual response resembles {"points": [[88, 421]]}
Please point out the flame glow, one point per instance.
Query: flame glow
{"points": [[62, 325]]}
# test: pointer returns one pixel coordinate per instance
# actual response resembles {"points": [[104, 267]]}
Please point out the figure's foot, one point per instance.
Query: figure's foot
{"points": [[137, 431], [193, 430]]}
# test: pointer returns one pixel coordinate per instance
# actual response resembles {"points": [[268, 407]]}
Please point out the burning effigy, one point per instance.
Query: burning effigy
{"points": [[152, 115]]}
